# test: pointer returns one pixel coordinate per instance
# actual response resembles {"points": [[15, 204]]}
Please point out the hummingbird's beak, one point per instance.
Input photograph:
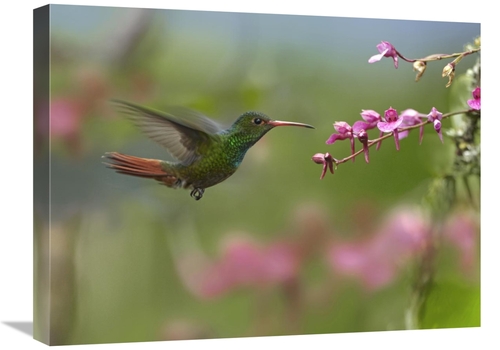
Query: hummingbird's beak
{"points": [[283, 123]]}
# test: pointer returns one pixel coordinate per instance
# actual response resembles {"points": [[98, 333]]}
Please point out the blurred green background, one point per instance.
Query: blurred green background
{"points": [[120, 245]]}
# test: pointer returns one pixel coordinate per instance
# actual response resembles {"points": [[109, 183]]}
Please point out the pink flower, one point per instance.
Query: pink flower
{"points": [[475, 103], [411, 117], [391, 123], [344, 132], [385, 49], [435, 117], [370, 117]]}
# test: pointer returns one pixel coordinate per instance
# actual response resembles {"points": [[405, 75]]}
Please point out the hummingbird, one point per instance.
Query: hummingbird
{"points": [[206, 153]]}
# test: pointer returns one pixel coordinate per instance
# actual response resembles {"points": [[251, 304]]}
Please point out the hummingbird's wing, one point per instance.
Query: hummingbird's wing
{"points": [[181, 133]]}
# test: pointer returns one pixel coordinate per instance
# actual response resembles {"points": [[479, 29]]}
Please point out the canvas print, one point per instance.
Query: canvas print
{"points": [[203, 175]]}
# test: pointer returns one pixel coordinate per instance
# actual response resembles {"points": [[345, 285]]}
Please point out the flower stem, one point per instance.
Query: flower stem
{"points": [[438, 57]]}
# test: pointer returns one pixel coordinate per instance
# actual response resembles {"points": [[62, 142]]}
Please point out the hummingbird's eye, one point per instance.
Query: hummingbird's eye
{"points": [[257, 121]]}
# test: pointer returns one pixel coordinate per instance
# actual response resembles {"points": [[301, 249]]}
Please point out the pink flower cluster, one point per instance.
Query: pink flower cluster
{"points": [[396, 124], [375, 260]]}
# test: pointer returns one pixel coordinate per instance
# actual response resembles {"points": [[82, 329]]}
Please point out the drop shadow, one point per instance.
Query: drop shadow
{"points": [[25, 327]]}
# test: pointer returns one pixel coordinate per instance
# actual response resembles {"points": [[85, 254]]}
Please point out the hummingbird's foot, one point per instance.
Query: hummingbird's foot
{"points": [[197, 193]]}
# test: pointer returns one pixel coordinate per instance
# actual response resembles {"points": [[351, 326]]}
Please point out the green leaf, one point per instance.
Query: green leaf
{"points": [[451, 305]]}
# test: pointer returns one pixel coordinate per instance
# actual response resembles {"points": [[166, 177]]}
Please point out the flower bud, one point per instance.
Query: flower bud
{"points": [[363, 136], [419, 67], [326, 160], [477, 41], [437, 125], [319, 158], [449, 71]]}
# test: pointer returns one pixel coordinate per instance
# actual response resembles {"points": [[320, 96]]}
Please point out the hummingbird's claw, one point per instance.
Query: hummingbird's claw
{"points": [[197, 193]]}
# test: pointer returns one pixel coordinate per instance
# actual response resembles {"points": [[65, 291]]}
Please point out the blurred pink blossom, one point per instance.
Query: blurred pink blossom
{"points": [[406, 232], [376, 259], [65, 118], [243, 263], [360, 261], [60, 121], [61, 117], [461, 230]]}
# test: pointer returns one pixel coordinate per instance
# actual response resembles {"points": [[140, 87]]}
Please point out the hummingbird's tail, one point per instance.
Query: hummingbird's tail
{"points": [[141, 167]]}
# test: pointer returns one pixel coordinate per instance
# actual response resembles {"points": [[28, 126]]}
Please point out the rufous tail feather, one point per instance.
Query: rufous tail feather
{"points": [[141, 167]]}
